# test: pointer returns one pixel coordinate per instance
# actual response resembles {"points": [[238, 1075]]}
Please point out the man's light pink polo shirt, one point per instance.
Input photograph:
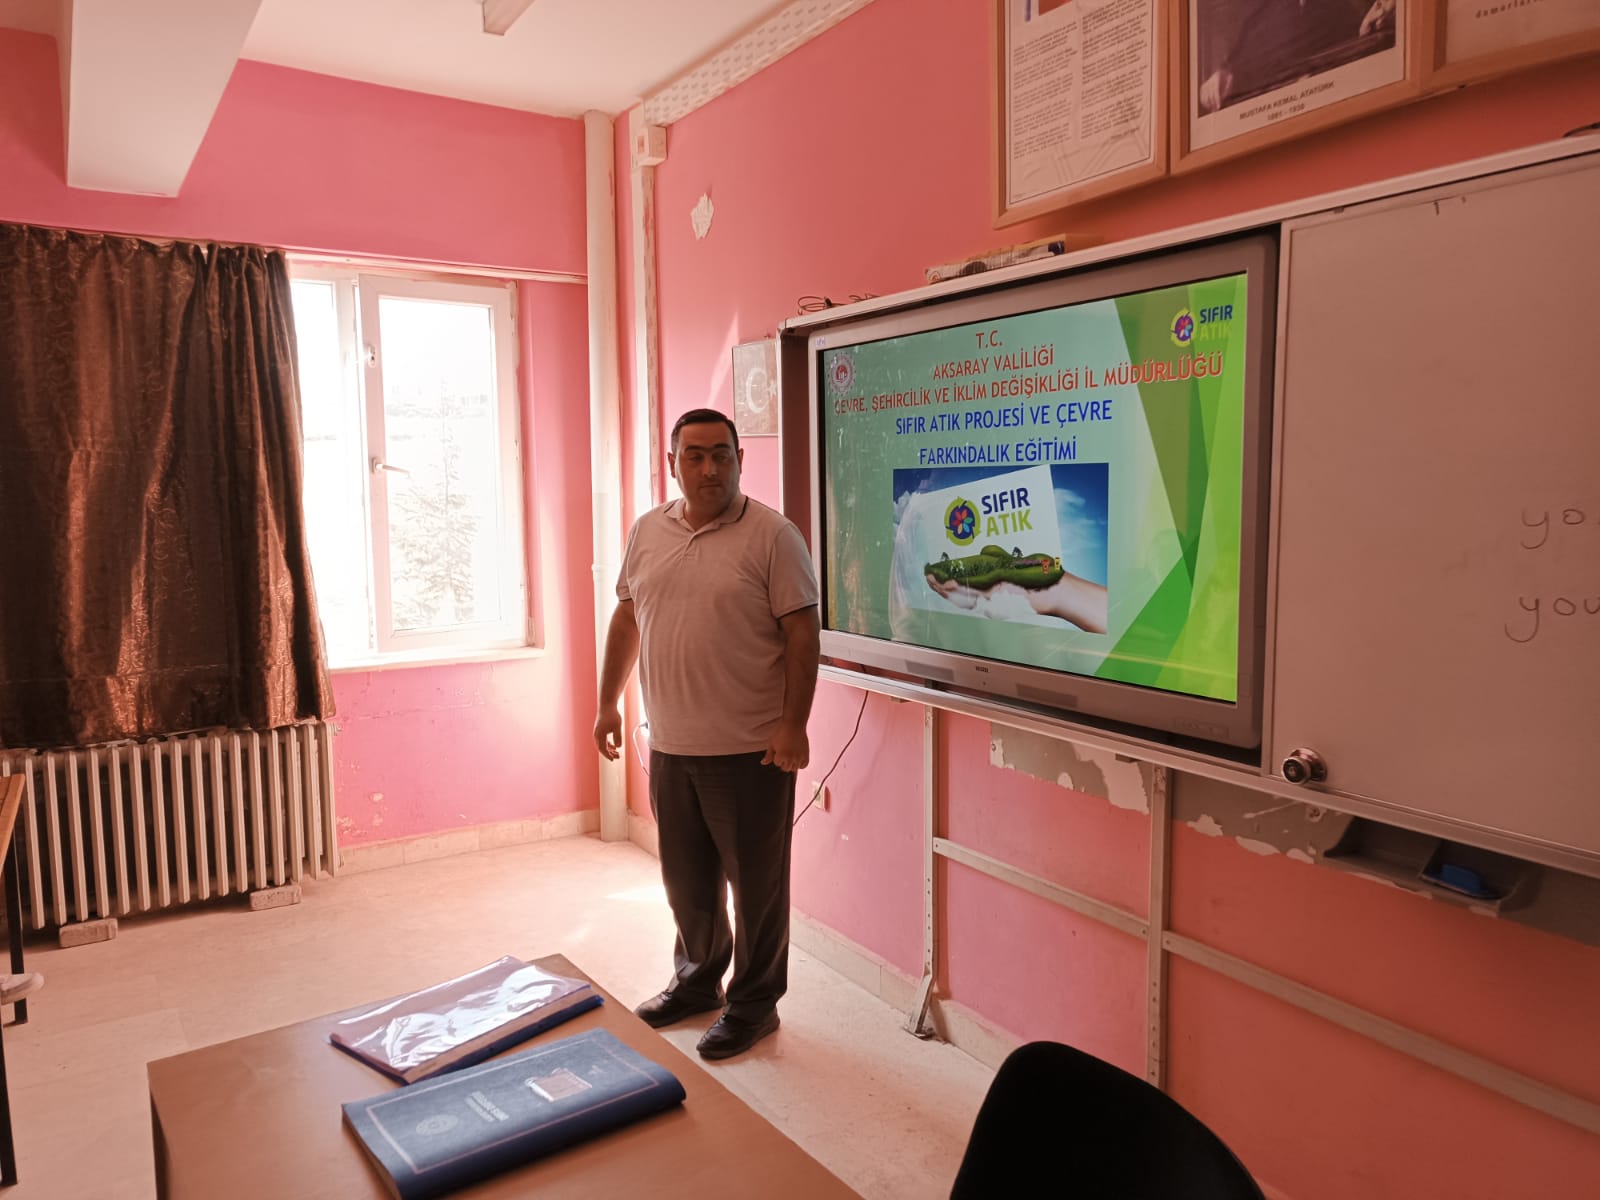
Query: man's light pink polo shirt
{"points": [[707, 602]]}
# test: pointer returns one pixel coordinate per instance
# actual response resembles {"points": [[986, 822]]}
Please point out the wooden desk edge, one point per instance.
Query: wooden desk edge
{"points": [[172, 1081]]}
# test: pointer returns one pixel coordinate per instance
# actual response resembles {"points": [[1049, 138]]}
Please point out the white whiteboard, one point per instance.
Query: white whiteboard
{"points": [[1439, 425]]}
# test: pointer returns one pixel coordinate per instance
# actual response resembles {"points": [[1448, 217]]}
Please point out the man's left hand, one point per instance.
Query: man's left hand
{"points": [[788, 749]]}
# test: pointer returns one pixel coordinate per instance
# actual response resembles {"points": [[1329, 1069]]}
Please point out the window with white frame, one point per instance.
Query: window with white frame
{"points": [[413, 493]]}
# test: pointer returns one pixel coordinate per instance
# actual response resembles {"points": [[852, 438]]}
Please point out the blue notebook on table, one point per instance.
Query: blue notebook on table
{"points": [[435, 1137]]}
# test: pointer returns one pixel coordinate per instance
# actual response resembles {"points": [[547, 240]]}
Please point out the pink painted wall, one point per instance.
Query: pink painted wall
{"points": [[307, 161], [1083, 992], [858, 838], [849, 166], [1317, 1111], [1386, 1125], [316, 163]]}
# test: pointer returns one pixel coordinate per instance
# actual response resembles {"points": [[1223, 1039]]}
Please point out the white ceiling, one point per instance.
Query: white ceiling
{"points": [[561, 56]]}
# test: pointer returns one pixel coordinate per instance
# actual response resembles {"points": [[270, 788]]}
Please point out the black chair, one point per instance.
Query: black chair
{"points": [[1059, 1122]]}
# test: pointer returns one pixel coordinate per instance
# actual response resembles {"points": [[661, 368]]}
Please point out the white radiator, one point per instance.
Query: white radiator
{"points": [[137, 826]]}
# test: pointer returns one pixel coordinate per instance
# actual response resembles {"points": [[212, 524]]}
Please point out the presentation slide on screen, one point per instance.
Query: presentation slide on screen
{"points": [[1059, 489]]}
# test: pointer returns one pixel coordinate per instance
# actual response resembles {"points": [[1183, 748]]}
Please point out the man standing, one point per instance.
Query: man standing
{"points": [[719, 606]]}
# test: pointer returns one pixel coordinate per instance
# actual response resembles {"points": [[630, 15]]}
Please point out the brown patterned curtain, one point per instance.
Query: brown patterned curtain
{"points": [[154, 575]]}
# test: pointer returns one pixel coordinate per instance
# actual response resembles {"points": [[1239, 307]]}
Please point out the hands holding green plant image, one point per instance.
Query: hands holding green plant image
{"points": [[1039, 579]]}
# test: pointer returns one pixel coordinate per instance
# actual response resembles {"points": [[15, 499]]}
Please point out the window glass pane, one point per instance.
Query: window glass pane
{"points": [[440, 415], [334, 491]]}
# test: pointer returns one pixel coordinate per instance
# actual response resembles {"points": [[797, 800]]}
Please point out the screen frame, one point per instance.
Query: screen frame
{"points": [[1198, 719]]}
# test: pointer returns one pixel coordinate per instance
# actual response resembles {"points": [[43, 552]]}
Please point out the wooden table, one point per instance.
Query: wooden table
{"points": [[259, 1117], [11, 787]]}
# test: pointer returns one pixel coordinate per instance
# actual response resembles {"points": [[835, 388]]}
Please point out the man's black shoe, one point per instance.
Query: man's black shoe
{"points": [[669, 1008], [733, 1035]]}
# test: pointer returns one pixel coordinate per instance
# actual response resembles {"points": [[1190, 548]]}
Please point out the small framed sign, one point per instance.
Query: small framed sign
{"points": [[755, 388], [1469, 40], [1079, 101]]}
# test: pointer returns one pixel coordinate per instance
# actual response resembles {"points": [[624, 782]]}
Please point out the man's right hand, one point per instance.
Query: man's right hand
{"points": [[608, 733]]}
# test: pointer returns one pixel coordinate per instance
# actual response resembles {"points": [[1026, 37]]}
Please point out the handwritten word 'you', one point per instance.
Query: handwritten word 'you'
{"points": [[1536, 535]]}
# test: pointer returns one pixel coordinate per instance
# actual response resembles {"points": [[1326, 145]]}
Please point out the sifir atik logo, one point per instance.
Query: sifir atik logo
{"points": [[961, 522], [1202, 325], [994, 515]]}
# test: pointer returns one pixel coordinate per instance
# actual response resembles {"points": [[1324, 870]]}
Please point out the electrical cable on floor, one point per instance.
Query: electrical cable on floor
{"points": [[817, 788]]}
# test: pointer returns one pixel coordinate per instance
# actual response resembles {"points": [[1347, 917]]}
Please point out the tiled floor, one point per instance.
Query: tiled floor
{"points": [[886, 1112]]}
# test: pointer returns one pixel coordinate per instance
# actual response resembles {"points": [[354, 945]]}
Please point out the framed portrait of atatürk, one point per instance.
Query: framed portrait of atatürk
{"points": [[1255, 72]]}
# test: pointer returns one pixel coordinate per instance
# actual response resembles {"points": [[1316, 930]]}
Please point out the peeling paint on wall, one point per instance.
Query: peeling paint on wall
{"points": [[1371, 878], [1260, 824], [700, 216], [1098, 773], [1558, 901]]}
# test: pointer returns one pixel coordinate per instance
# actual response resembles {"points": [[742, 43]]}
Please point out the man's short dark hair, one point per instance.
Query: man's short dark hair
{"points": [[703, 416]]}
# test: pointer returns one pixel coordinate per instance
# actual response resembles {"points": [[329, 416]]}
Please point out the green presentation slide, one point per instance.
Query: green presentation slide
{"points": [[1059, 489]]}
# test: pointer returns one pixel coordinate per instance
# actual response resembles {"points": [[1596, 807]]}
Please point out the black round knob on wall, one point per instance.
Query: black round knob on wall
{"points": [[1304, 766]]}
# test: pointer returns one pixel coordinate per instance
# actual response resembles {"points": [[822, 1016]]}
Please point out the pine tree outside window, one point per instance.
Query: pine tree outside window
{"points": [[412, 464]]}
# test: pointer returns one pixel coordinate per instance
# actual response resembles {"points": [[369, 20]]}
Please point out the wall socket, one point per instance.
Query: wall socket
{"points": [[819, 796]]}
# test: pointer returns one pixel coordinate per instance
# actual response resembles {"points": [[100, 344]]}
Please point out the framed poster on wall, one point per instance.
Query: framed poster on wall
{"points": [[1255, 72], [1079, 101], [1469, 40]]}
